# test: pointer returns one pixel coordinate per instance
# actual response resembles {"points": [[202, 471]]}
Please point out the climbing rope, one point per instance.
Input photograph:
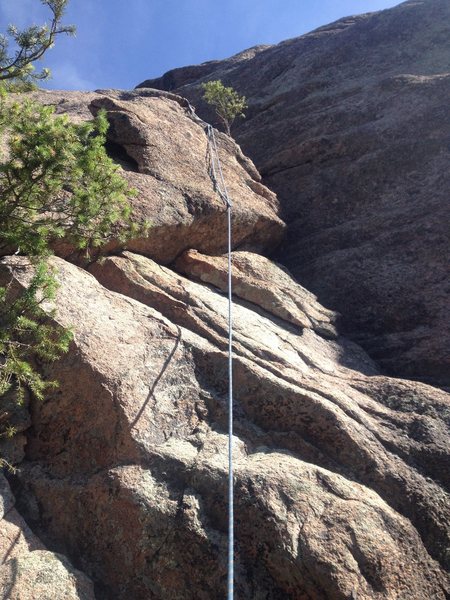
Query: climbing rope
{"points": [[218, 180], [223, 193], [221, 188]]}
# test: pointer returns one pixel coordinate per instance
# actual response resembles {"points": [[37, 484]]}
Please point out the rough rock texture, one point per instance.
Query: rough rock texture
{"points": [[258, 280], [43, 575], [27, 570], [163, 153], [349, 125], [341, 474]]}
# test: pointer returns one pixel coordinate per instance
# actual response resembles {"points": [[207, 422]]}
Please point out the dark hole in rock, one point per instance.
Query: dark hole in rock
{"points": [[121, 156]]}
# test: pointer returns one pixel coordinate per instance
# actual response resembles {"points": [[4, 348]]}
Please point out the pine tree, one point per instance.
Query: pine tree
{"points": [[227, 102], [17, 69], [56, 181]]}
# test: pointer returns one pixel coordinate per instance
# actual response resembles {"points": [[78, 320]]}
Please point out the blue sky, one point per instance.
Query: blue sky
{"points": [[119, 43]]}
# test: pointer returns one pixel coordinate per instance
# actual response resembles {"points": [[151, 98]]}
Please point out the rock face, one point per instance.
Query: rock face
{"points": [[260, 281], [28, 571], [41, 575], [349, 125], [341, 474], [163, 153]]}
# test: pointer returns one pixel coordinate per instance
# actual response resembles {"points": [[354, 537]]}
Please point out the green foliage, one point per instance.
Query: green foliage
{"points": [[57, 181], [17, 86], [27, 337], [30, 44], [227, 102]]}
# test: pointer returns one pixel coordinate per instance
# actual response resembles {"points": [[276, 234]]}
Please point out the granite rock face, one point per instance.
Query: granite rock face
{"points": [[350, 126], [264, 284], [42, 575], [341, 474], [28, 571]]}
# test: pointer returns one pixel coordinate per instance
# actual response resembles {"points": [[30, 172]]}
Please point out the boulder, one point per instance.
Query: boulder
{"points": [[161, 149], [349, 126], [341, 474]]}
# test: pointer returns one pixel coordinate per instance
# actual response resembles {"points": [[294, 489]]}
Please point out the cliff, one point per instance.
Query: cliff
{"points": [[349, 126], [341, 471]]}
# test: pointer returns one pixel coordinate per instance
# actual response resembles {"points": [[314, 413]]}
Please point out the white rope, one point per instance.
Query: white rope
{"points": [[221, 188], [223, 193]]}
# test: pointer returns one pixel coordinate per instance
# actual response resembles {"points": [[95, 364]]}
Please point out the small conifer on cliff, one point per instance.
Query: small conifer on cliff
{"points": [[227, 102]]}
